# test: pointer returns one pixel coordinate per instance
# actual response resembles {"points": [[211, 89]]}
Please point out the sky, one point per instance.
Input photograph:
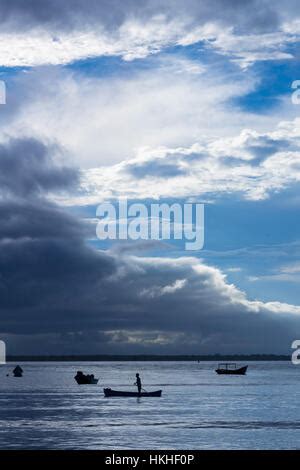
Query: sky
{"points": [[153, 101]]}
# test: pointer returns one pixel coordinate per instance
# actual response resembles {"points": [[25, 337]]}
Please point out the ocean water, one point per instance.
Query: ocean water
{"points": [[46, 409]]}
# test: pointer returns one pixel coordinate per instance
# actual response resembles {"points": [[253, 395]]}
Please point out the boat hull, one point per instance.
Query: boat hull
{"points": [[86, 381], [240, 371], [108, 392]]}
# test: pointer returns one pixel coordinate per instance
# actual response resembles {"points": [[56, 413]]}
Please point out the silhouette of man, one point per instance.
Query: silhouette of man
{"points": [[138, 383]]}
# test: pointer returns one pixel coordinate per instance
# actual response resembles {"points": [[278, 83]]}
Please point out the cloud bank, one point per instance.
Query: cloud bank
{"points": [[52, 32], [252, 165], [58, 293]]}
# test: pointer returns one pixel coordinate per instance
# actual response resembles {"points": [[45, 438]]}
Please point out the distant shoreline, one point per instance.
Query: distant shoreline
{"points": [[150, 357]]}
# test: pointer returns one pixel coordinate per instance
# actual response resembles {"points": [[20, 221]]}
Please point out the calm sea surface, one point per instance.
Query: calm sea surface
{"points": [[46, 409]]}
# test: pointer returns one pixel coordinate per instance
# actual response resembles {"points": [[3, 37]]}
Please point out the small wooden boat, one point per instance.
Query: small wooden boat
{"points": [[87, 381], [108, 392], [231, 369], [83, 379]]}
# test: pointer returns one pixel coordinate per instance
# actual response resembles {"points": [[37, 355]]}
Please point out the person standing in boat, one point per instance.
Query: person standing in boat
{"points": [[138, 383]]}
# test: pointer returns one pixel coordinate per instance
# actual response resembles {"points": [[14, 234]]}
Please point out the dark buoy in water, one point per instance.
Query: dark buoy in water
{"points": [[18, 371]]}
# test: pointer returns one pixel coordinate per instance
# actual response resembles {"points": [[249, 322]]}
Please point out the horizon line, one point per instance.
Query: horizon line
{"points": [[145, 357]]}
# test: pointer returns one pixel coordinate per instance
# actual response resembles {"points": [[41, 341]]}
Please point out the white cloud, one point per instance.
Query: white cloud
{"points": [[251, 163], [158, 291], [137, 38], [291, 268], [178, 121], [131, 41], [245, 49], [286, 273], [100, 121]]}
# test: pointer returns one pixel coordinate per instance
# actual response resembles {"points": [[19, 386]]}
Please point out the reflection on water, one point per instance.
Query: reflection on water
{"points": [[46, 409]]}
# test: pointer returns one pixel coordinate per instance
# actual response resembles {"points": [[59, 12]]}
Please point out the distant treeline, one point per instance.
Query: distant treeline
{"points": [[151, 357]]}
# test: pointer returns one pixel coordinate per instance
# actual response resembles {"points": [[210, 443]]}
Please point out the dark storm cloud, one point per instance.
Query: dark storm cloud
{"points": [[44, 261], [27, 168], [246, 15], [141, 310], [36, 220]]}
